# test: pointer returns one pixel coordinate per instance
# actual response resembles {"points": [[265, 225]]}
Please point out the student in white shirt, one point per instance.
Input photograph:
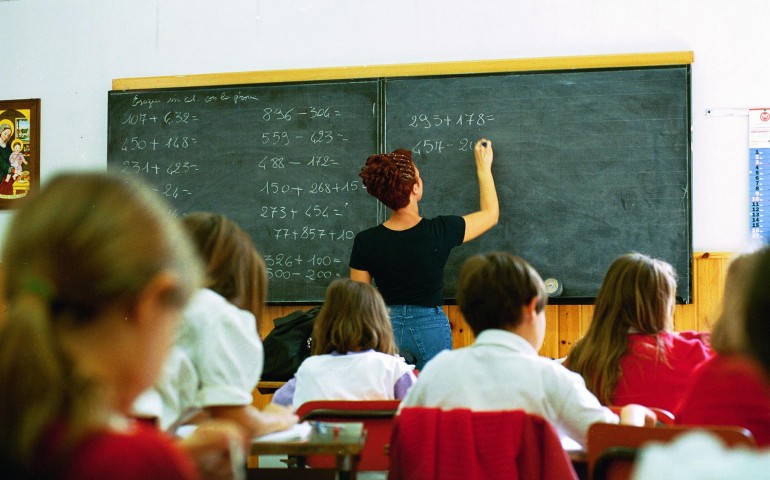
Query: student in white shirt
{"points": [[503, 301], [354, 355], [217, 358]]}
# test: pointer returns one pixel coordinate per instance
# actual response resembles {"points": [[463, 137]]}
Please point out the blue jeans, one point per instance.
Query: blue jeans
{"points": [[420, 332]]}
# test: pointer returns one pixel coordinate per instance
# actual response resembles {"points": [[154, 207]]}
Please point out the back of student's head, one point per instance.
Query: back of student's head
{"points": [[728, 334], [234, 268], [353, 318], [86, 244], [758, 312], [638, 294], [492, 289]]}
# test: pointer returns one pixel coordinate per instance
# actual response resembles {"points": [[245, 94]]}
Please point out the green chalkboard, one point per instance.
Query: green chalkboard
{"points": [[589, 163], [280, 160]]}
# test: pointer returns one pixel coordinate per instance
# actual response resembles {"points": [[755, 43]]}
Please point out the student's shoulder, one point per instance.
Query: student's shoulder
{"points": [[371, 232], [556, 374], [444, 222], [207, 306], [692, 343], [444, 363]]}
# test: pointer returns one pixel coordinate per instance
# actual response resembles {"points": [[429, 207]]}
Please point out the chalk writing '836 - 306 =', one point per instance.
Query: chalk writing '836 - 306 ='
{"points": [[281, 114]]}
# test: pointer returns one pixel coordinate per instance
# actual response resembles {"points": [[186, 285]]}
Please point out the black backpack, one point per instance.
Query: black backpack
{"points": [[288, 344]]}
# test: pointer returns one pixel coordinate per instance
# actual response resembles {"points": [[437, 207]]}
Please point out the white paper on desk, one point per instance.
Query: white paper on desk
{"points": [[570, 445], [185, 430], [295, 433]]}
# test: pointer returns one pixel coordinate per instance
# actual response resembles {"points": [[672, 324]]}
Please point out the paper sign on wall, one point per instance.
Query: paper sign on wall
{"points": [[759, 162]]}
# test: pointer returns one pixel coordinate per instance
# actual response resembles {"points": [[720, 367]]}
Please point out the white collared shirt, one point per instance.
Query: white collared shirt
{"points": [[217, 360], [502, 371], [367, 375]]}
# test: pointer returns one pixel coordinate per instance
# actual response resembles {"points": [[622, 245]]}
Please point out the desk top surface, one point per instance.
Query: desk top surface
{"points": [[335, 439]]}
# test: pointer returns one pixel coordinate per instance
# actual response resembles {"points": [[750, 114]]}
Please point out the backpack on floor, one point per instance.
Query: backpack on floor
{"points": [[288, 344]]}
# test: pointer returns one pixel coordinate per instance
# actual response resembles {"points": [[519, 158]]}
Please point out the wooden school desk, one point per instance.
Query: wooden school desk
{"points": [[346, 444]]}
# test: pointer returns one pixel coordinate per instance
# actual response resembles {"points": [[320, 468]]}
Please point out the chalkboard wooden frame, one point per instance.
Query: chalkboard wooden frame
{"points": [[482, 69]]}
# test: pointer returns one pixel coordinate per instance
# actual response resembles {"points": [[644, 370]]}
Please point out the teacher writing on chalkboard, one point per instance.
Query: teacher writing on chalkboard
{"points": [[406, 254]]}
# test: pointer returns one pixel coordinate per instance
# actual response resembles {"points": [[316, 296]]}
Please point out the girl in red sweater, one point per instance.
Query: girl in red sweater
{"points": [[630, 353], [730, 388]]}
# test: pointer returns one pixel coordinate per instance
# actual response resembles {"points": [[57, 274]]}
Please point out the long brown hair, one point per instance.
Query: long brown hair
{"points": [[639, 293], [728, 334], [87, 242], [353, 318], [234, 267]]}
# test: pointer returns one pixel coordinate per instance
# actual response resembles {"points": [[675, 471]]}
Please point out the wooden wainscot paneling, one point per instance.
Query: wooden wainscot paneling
{"points": [[567, 323]]}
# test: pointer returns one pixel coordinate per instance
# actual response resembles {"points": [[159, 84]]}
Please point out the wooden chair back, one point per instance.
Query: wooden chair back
{"points": [[612, 448]]}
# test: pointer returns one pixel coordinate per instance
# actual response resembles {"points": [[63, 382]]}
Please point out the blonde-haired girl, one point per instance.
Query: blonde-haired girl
{"points": [[354, 354], [100, 275]]}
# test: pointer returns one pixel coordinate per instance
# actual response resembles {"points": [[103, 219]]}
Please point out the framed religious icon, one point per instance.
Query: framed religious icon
{"points": [[19, 150]]}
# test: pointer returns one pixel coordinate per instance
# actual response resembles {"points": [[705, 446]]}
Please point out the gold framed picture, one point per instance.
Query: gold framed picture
{"points": [[19, 150]]}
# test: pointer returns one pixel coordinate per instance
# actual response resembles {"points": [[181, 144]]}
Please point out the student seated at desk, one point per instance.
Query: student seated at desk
{"points": [[354, 355], [630, 353], [503, 300], [730, 388], [99, 283], [217, 358], [701, 456]]}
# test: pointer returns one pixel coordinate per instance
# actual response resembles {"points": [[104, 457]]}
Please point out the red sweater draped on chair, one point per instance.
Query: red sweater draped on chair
{"points": [[431, 443]]}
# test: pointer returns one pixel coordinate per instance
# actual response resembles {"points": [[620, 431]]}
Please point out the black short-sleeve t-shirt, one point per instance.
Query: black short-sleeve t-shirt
{"points": [[408, 266]]}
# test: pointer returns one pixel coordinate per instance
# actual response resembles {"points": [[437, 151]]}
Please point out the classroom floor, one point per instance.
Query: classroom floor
{"points": [[274, 461]]}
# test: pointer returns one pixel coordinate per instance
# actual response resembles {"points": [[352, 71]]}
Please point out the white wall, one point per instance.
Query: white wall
{"points": [[67, 52]]}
